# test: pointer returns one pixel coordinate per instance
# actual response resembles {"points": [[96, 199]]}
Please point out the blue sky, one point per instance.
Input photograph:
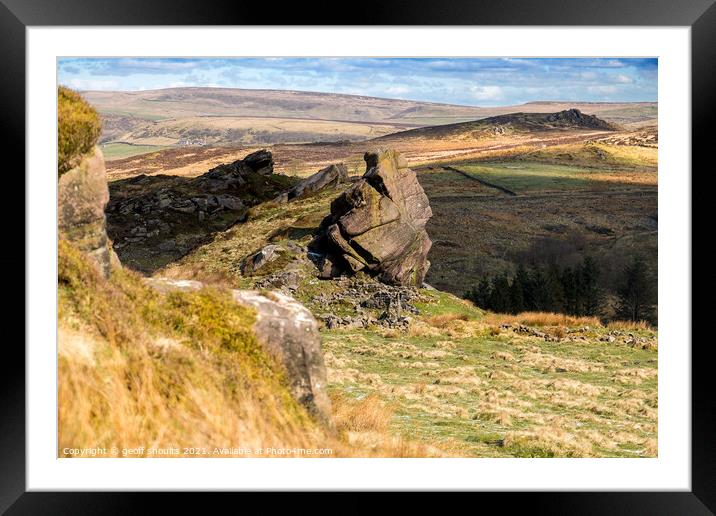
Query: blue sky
{"points": [[469, 81]]}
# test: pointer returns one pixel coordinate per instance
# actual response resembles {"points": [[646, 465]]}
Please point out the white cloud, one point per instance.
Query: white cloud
{"points": [[602, 89], [92, 84], [397, 90], [486, 92], [623, 79]]}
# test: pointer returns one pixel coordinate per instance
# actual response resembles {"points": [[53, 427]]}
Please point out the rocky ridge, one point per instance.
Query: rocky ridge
{"points": [[156, 219]]}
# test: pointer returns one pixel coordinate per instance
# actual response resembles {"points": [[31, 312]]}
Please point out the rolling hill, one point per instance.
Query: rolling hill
{"points": [[513, 123], [227, 116]]}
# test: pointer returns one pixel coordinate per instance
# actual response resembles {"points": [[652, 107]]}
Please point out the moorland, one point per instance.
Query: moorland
{"points": [[529, 191]]}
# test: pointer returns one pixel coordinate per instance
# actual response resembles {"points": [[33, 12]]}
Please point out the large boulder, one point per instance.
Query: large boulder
{"points": [[378, 225], [82, 197], [328, 177], [260, 162], [289, 333]]}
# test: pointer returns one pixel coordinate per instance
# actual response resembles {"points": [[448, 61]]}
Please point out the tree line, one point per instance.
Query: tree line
{"points": [[571, 290]]}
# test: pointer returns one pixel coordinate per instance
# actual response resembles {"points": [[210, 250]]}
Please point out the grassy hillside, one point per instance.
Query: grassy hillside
{"points": [[570, 201], [489, 386], [187, 102], [458, 379], [141, 370], [230, 130]]}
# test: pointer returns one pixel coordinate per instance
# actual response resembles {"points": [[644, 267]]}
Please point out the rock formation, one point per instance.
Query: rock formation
{"points": [[82, 196], [154, 219], [260, 162], [289, 333], [378, 225], [328, 177]]}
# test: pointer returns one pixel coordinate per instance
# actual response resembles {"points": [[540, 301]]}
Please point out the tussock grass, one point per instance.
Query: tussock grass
{"points": [[463, 384], [446, 320], [156, 370], [629, 325], [369, 414], [142, 370], [541, 319]]}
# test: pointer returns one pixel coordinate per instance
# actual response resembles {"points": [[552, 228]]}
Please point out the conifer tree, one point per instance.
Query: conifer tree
{"points": [[637, 292]]}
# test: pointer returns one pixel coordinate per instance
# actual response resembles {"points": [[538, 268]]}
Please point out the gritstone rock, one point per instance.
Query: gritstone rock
{"points": [[378, 225]]}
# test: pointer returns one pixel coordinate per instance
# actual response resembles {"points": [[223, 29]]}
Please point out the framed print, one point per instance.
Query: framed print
{"points": [[443, 251]]}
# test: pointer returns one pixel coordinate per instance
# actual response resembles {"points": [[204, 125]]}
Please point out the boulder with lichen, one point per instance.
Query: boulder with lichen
{"points": [[378, 225]]}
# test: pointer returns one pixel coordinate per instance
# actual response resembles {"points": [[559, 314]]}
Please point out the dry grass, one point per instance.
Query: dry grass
{"points": [[542, 319], [629, 325], [470, 388], [369, 414], [446, 320], [183, 373], [138, 369]]}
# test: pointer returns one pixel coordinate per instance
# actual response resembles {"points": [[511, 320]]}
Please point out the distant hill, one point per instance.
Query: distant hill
{"points": [[513, 123], [229, 116]]}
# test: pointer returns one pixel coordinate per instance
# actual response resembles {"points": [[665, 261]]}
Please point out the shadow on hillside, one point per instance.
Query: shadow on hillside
{"points": [[156, 220]]}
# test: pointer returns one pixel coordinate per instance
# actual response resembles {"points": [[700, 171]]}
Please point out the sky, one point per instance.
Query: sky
{"points": [[467, 81]]}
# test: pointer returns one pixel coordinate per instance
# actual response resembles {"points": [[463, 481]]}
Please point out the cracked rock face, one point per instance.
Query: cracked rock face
{"points": [[378, 225]]}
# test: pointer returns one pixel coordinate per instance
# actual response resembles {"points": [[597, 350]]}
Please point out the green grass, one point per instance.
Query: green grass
{"points": [[530, 177], [452, 387], [115, 150]]}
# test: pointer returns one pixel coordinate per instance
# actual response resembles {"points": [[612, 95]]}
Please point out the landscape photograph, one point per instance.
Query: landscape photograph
{"points": [[361, 257]]}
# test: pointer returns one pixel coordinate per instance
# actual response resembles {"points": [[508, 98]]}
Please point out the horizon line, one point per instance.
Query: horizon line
{"points": [[563, 101]]}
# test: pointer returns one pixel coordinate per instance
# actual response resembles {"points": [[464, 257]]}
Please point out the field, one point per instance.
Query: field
{"points": [[112, 151], [226, 130], [467, 384]]}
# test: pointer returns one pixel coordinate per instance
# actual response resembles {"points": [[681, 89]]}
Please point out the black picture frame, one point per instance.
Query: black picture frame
{"points": [[17, 15]]}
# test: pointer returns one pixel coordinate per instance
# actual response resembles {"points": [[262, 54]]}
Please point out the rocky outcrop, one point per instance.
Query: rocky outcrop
{"points": [[574, 117], [232, 176], [328, 177], [370, 303], [260, 162], [378, 225], [289, 333], [82, 196], [155, 219]]}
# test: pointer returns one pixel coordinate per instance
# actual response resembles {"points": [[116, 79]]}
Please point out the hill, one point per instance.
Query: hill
{"points": [[509, 124], [228, 116]]}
